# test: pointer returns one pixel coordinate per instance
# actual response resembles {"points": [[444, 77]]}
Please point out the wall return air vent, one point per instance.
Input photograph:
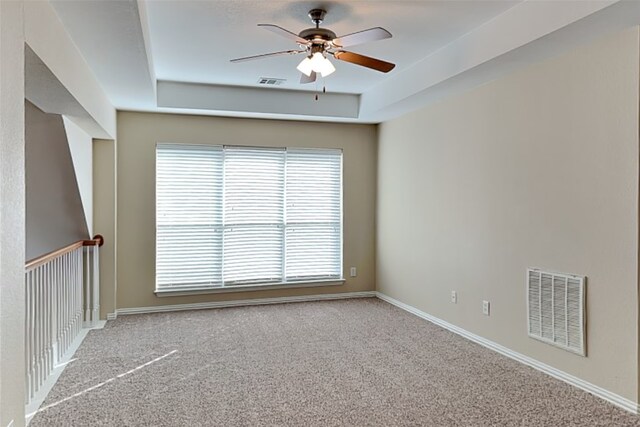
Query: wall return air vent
{"points": [[556, 309]]}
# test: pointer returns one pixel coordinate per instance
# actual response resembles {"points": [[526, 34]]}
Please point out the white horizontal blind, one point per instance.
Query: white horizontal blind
{"points": [[555, 309], [188, 216], [253, 215], [314, 214], [233, 216]]}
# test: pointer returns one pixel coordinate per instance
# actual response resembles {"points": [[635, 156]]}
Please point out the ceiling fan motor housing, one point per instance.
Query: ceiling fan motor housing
{"points": [[320, 38], [317, 35]]}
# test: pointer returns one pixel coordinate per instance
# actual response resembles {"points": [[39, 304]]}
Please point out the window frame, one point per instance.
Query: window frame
{"points": [[252, 286]]}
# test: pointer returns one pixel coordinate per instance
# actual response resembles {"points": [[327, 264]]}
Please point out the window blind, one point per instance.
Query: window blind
{"points": [[188, 216], [314, 214], [253, 214], [233, 216]]}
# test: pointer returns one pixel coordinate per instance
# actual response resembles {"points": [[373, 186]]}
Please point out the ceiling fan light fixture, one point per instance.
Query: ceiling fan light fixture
{"points": [[317, 63], [327, 68], [317, 43], [317, 59], [305, 67]]}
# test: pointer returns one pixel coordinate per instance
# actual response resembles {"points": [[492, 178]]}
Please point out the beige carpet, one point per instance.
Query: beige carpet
{"points": [[336, 363]]}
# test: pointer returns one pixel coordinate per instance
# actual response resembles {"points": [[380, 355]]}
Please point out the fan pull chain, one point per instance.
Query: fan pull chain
{"points": [[324, 89]]}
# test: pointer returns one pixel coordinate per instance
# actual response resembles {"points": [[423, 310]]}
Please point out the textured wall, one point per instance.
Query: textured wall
{"points": [[138, 134], [81, 148], [537, 169], [12, 214]]}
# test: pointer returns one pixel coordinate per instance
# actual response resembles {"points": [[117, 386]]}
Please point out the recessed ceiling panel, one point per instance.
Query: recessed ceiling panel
{"points": [[193, 41]]}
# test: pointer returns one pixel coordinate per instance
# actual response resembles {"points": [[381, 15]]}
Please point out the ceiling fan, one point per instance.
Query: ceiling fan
{"points": [[317, 42]]}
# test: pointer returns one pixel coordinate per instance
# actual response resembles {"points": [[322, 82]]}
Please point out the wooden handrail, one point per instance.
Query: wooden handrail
{"points": [[97, 240]]}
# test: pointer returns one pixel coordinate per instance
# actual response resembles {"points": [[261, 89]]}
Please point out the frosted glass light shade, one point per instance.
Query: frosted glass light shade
{"points": [[326, 68], [317, 63], [305, 67]]}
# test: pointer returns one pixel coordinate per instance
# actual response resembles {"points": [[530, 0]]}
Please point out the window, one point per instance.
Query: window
{"points": [[245, 216]]}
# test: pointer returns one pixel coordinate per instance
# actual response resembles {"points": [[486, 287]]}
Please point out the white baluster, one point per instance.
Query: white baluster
{"points": [[43, 350], [32, 332], [95, 285], [47, 325], [38, 327], [85, 286], [62, 297], [78, 290], [67, 301], [63, 304], [59, 306], [27, 349]]}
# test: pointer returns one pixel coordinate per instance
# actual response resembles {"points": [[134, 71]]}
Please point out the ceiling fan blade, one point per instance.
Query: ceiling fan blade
{"points": [[267, 55], [364, 36], [365, 61], [284, 33], [304, 79]]}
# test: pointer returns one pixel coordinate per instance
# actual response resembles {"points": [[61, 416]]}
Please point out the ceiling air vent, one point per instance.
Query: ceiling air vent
{"points": [[270, 81], [555, 309]]}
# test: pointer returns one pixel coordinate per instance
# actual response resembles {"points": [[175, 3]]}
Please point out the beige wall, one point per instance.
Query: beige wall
{"points": [[537, 169], [138, 134], [55, 213], [104, 219]]}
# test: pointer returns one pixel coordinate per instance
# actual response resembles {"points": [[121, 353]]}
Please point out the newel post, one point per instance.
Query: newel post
{"points": [[92, 281]]}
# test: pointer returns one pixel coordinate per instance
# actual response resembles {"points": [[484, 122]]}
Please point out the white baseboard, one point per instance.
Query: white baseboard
{"points": [[598, 391], [99, 324], [32, 408], [112, 316], [242, 303]]}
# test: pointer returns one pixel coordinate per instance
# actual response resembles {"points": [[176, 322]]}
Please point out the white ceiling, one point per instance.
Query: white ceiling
{"points": [[109, 36], [161, 55], [194, 41]]}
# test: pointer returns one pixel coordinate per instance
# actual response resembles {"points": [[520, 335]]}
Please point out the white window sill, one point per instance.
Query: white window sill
{"points": [[247, 288]]}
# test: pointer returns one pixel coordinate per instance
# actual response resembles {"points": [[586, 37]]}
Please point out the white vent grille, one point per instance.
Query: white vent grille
{"points": [[555, 309], [270, 81]]}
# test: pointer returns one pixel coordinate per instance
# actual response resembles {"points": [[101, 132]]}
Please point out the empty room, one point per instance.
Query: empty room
{"points": [[319, 213]]}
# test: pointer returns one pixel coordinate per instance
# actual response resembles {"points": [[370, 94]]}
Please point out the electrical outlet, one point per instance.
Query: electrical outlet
{"points": [[485, 308], [353, 272], [454, 297]]}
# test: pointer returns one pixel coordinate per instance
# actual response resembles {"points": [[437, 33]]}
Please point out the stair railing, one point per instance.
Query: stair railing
{"points": [[62, 298]]}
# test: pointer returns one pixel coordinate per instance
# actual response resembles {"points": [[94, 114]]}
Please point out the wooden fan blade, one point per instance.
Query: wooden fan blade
{"points": [[364, 36], [304, 79], [365, 61], [267, 55], [284, 33]]}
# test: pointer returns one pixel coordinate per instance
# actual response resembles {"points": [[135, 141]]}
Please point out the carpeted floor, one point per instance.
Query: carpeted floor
{"points": [[350, 363]]}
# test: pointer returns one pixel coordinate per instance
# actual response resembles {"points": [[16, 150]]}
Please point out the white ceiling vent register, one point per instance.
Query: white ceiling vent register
{"points": [[271, 81], [556, 309]]}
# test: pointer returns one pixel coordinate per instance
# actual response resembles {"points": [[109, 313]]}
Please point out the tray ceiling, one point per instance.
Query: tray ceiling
{"points": [[174, 55]]}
